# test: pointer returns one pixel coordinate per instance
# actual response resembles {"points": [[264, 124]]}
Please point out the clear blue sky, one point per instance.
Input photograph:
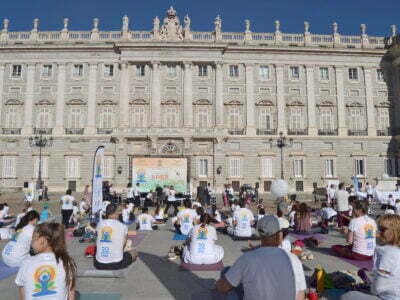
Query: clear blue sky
{"points": [[378, 15]]}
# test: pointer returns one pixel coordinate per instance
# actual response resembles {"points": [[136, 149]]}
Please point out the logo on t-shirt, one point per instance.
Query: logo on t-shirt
{"points": [[106, 233], [369, 231], [44, 281], [186, 219], [201, 233], [244, 220], [144, 221]]}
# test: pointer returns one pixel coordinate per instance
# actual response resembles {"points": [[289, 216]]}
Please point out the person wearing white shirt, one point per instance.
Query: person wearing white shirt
{"points": [[342, 204], [201, 248], [111, 241], [146, 221], [75, 214], [126, 214], [83, 208], [185, 219], [17, 249], [166, 193], [171, 201], [67, 207], [136, 195], [243, 219], [129, 193], [331, 191]]}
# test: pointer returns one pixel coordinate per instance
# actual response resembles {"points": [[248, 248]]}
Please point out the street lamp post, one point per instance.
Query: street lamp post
{"points": [[41, 142], [281, 143]]}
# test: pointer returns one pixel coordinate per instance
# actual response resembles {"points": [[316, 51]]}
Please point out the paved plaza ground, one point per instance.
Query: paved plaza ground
{"points": [[154, 277]]}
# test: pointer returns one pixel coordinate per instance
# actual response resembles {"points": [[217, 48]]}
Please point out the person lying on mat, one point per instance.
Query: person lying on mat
{"points": [[386, 270], [145, 221], [242, 222], [361, 235], [111, 241], [185, 219], [50, 274], [201, 247], [261, 273], [17, 249]]}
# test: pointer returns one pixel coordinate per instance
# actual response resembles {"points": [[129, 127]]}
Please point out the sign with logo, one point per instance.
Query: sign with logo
{"points": [[97, 181]]}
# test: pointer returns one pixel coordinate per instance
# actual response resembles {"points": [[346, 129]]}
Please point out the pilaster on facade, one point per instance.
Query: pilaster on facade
{"points": [[92, 90], [369, 102], [2, 68], [312, 127], [395, 81], [188, 95], [341, 110], [61, 77], [28, 104], [219, 101], [250, 105], [156, 95], [124, 96], [280, 98]]}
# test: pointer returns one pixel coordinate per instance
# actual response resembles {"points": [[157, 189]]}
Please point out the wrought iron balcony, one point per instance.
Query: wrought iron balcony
{"points": [[47, 131], [11, 130], [353, 132], [237, 131], [105, 130], [73, 130], [327, 132], [384, 132], [266, 131], [297, 131]]}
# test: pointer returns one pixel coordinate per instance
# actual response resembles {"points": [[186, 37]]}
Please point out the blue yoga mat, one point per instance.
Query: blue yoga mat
{"points": [[179, 237], [6, 271]]}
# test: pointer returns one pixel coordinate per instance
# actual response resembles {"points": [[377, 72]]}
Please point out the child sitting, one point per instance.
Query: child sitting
{"points": [[327, 214], [146, 221]]}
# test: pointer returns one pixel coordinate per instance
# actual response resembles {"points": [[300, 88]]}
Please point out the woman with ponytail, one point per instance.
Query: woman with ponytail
{"points": [[17, 249], [51, 272], [201, 248]]}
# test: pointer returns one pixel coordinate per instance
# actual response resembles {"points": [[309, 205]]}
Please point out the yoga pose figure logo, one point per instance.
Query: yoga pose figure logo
{"points": [[44, 279]]}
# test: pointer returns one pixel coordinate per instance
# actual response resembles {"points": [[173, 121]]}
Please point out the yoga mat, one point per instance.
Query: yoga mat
{"points": [[105, 273], [179, 237], [367, 264], [100, 297], [240, 238], [69, 236], [137, 239], [191, 267], [219, 225], [132, 232], [298, 236], [6, 271]]}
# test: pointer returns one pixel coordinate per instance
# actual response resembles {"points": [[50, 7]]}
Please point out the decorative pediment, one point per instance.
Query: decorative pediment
{"points": [[233, 102], [325, 104], [295, 103], [14, 102], [137, 102], [265, 103], [107, 102], [76, 102], [170, 102], [354, 104], [384, 104], [45, 102], [202, 102]]}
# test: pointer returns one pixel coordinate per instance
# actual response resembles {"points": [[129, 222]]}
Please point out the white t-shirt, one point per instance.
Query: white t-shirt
{"points": [[328, 212], [67, 201], [186, 218], [111, 236], [2, 214], [42, 278], [129, 193], [397, 208], [370, 190], [331, 193], [136, 191], [125, 215], [131, 206], [202, 240], [6, 210], [104, 205], [160, 215], [244, 217], [17, 249], [291, 218], [392, 201], [286, 245], [364, 235], [145, 221], [171, 196], [342, 200], [82, 207]]}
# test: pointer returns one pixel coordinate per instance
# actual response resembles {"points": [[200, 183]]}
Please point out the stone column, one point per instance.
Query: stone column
{"points": [[394, 78], [124, 96], [312, 128], [341, 109], [59, 128], [219, 100], [28, 105], [280, 99], [369, 97], [187, 96], [2, 67], [92, 89], [156, 95], [250, 114]]}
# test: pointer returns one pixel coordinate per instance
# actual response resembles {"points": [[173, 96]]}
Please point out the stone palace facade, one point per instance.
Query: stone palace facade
{"points": [[218, 98]]}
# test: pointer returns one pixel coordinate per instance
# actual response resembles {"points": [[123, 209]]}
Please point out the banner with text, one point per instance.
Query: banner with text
{"points": [[97, 181], [153, 171]]}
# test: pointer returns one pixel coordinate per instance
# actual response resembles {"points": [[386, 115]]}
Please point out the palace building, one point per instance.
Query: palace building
{"points": [[218, 99]]}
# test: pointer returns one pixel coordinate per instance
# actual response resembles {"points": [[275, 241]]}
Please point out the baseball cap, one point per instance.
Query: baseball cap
{"points": [[268, 225]]}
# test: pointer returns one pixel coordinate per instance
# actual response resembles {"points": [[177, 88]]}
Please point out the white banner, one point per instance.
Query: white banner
{"points": [[97, 182]]}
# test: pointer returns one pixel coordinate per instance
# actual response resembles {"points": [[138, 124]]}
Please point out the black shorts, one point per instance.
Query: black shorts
{"points": [[126, 261]]}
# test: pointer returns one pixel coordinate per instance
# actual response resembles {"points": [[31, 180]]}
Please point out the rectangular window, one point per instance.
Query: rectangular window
{"points": [[234, 121], [298, 168], [139, 117], [324, 73], [77, 70], [294, 73], [296, 118], [356, 121], [72, 167], [353, 74], [267, 185], [379, 75], [329, 168], [359, 167], [171, 70], [390, 167], [9, 167], [326, 119], [266, 167], [140, 70], [108, 70], [106, 118], [203, 167], [264, 72], [202, 117], [266, 118], [44, 167], [108, 166], [47, 70], [75, 118], [171, 117], [384, 119], [43, 120], [234, 71], [234, 163], [202, 70], [16, 71], [12, 117]]}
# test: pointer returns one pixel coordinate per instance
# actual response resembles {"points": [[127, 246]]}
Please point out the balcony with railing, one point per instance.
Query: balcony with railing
{"points": [[327, 132], [237, 131], [357, 132], [46, 131], [105, 130], [261, 131], [72, 131], [14, 131], [297, 131], [384, 132]]}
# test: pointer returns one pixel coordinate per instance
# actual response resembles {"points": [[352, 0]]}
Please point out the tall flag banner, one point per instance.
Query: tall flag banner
{"points": [[97, 181]]}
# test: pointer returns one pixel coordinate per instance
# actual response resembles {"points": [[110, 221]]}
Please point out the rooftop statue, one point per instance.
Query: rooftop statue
{"points": [[171, 30]]}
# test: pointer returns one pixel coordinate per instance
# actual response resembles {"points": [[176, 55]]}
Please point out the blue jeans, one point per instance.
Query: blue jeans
{"points": [[236, 293]]}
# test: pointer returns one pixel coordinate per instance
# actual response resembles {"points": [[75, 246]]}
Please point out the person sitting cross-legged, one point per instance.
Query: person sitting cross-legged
{"points": [[242, 222], [146, 221], [267, 272], [185, 219]]}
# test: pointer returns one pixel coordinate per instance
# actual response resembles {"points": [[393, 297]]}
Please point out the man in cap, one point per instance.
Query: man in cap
{"points": [[267, 272]]}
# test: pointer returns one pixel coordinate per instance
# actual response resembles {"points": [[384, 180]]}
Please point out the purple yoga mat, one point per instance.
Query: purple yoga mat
{"points": [[137, 239], [214, 267], [298, 236], [361, 264]]}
